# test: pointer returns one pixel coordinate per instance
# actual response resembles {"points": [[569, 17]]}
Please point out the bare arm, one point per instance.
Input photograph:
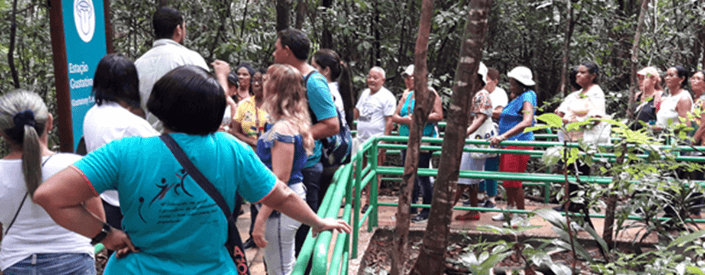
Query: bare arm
{"points": [[222, 69], [62, 197], [281, 167], [497, 111], [325, 128], [528, 116], [436, 114], [236, 130], [476, 123], [683, 107], [283, 199], [356, 113], [397, 118]]}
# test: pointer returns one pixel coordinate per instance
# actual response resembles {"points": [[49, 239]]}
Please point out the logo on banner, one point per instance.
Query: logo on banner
{"points": [[84, 17]]}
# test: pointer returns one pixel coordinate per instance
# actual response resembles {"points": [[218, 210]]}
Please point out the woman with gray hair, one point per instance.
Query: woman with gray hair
{"points": [[31, 240]]}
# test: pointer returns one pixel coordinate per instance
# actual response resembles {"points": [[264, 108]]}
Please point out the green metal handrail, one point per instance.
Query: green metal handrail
{"points": [[350, 179]]}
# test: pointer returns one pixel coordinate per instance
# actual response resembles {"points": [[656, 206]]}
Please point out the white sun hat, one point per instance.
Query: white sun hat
{"points": [[523, 75], [408, 71]]}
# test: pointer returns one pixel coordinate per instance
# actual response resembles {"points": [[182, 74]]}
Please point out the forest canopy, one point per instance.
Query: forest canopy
{"points": [[383, 33]]}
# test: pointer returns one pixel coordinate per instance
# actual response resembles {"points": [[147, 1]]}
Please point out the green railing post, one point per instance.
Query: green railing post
{"points": [[374, 184], [356, 212]]}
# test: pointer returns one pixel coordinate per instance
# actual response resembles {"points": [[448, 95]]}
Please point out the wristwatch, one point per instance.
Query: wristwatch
{"points": [[103, 233]]}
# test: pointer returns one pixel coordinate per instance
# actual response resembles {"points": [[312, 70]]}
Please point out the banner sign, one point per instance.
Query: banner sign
{"points": [[84, 32]]}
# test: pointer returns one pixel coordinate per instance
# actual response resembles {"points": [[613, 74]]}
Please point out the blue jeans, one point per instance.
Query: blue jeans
{"points": [[491, 164], [280, 233], [422, 184], [54, 264]]}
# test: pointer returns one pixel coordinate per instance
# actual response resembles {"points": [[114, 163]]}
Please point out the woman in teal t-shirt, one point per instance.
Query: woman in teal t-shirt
{"points": [[403, 117], [171, 225]]}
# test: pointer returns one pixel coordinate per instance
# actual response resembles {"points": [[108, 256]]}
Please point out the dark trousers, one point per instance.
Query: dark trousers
{"points": [[312, 178], [421, 184]]}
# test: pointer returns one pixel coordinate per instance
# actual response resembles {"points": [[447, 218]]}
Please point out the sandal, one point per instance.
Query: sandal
{"points": [[467, 217]]}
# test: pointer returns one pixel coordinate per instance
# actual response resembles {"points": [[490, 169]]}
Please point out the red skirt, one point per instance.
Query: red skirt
{"points": [[514, 163]]}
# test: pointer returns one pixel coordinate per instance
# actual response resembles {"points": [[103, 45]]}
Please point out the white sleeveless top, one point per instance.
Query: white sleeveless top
{"points": [[668, 109]]}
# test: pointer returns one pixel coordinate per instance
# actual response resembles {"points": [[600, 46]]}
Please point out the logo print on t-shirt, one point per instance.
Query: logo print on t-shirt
{"points": [[165, 187]]}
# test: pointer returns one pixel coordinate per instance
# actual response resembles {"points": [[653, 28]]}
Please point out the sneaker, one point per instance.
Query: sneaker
{"points": [[420, 218], [499, 217], [467, 202], [488, 204], [363, 210], [517, 221]]}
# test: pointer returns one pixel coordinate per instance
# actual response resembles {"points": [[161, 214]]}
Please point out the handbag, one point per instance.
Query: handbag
{"points": [[485, 131], [335, 149], [234, 242]]}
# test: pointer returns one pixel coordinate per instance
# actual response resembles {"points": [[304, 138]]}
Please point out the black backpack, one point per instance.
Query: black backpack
{"points": [[335, 149]]}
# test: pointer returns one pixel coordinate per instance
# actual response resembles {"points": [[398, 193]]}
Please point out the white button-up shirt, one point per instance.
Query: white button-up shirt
{"points": [[165, 55]]}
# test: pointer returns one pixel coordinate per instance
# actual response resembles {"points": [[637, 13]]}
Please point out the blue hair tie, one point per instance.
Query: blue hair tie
{"points": [[23, 118]]}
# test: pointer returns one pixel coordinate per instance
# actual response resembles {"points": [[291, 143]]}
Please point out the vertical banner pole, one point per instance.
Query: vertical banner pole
{"points": [[79, 41]]}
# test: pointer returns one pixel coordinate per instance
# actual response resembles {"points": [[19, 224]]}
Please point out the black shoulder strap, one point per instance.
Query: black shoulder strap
{"points": [[195, 174], [22, 203]]}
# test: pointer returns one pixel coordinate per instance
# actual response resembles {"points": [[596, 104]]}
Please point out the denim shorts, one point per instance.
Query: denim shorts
{"points": [[54, 264]]}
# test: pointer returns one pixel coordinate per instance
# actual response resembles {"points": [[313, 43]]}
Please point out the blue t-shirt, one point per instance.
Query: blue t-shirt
{"points": [[177, 226], [264, 152], [321, 102], [408, 108], [513, 115]]}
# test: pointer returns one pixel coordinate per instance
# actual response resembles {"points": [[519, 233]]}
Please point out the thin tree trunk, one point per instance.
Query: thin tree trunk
{"points": [[300, 13], [431, 260], [221, 28], [283, 14], [244, 18], [326, 36], [635, 58], [421, 111], [163, 3], [11, 49], [566, 51]]}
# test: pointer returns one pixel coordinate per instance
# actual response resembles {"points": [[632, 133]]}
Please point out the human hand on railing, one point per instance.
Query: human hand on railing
{"points": [[497, 139], [331, 224]]}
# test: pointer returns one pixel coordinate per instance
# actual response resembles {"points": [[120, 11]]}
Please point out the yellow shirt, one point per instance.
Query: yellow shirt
{"points": [[251, 119]]}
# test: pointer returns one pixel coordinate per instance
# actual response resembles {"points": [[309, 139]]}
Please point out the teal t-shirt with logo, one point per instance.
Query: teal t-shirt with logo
{"points": [[177, 226]]}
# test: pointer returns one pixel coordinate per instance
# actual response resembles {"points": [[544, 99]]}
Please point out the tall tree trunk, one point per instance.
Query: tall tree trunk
{"points": [[431, 258], [244, 18], [300, 13], [376, 44], [635, 58], [566, 51], [326, 36], [283, 14], [607, 233], [11, 49], [163, 3], [221, 29], [421, 112]]}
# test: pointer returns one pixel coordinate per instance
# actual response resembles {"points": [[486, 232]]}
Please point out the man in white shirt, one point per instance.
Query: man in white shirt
{"points": [[166, 54], [374, 113]]}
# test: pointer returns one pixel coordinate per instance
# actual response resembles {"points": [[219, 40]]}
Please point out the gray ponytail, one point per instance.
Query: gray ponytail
{"points": [[23, 117]]}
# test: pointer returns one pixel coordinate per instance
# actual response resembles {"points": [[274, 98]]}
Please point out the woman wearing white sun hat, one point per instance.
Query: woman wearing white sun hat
{"points": [[515, 117]]}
